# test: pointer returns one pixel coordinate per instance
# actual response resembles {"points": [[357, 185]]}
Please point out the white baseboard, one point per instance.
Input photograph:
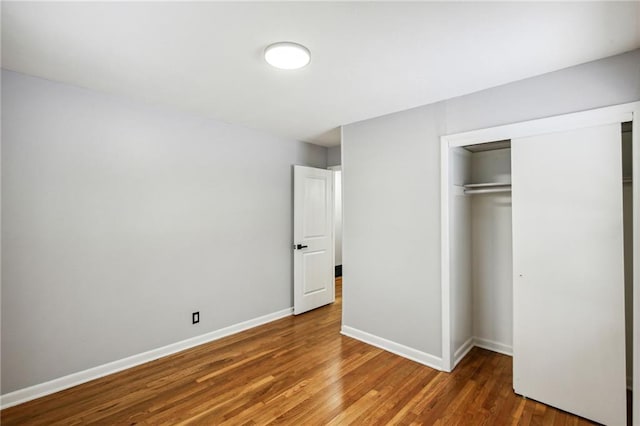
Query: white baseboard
{"points": [[74, 379], [393, 347], [472, 342], [493, 346], [463, 351]]}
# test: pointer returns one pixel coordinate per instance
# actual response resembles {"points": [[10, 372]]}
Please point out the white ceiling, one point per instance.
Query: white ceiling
{"points": [[367, 59]]}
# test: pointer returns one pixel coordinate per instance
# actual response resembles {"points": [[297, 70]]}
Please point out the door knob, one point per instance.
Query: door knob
{"points": [[299, 246]]}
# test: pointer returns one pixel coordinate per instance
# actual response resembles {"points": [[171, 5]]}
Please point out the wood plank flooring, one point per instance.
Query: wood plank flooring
{"points": [[299, 371]]}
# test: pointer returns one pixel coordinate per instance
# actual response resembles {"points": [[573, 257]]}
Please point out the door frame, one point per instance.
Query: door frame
{"points": [[588, 118]]}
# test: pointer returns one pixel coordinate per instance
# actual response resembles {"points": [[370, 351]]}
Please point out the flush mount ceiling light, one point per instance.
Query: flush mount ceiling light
{"points": [[287, 55]]}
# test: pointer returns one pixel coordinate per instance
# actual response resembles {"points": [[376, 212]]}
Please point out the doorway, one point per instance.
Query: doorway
{"points": [[337, 219]]}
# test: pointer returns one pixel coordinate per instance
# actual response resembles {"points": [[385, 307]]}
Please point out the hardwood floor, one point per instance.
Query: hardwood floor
{"points": [[297, 370]]}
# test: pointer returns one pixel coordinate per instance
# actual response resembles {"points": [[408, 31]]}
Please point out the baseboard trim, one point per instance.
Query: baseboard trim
{"points": [[393, 347], [463, 351], [74, 379], [338, 271], [487, 344], [490, 345]]}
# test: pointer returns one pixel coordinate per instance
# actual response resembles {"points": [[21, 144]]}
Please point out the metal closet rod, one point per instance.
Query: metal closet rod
{"points": [[506, 187], [487, 190]]}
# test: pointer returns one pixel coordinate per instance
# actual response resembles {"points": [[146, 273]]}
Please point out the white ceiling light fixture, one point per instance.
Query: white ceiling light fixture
{"points": [[287, 55]]}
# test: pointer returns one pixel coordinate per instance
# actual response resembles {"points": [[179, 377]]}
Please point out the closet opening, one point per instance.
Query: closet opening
{"points": [[481, 247], [481, 291], [543, 270]]}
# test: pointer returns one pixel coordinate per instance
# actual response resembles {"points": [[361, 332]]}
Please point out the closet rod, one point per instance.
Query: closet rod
{"points": [[486, 185], [486, 190], [504, 187]]}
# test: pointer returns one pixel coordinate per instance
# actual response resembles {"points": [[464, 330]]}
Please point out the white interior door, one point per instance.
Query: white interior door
{"points": [[569, 335], [313, 274]]}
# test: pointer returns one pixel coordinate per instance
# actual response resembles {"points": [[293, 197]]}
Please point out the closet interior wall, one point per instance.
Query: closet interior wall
{"points": [[481, 281], [460, 254], [491, 254]]}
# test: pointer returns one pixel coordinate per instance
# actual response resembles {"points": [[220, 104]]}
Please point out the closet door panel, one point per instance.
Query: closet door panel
{"points": [[569, 340]]}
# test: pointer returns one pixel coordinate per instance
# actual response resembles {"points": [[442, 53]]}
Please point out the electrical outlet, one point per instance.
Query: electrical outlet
{"points": [[195, 317]]}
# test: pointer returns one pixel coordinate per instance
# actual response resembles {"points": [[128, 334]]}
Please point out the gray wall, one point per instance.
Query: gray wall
{"points": [[391, 183], [333, 156], [120, 219], [391, 227]]}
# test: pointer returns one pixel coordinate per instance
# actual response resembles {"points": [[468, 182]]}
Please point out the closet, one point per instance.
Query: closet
{"points": [[539, 240], [482, 313]]}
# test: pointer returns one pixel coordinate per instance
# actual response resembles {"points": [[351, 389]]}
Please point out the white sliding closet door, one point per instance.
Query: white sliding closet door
{"points": [[569, 336]]}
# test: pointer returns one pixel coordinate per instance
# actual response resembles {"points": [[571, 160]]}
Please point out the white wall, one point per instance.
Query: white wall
{"points": [[333, 162], [491, 166], [391, 169], [492, 249], [460, 228], [120, 219], [337, 216], [492, 268]]}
